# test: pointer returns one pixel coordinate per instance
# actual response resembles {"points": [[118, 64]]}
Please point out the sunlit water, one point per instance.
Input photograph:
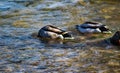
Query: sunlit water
{"points": [[23, 51]]}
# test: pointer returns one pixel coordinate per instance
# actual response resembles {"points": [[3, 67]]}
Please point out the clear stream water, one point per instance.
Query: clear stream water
{"points": [[22, 51]]}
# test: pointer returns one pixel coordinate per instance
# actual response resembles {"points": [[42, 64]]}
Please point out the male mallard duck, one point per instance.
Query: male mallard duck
{"points": [[115, 39], [92, 27], [53, 32]]}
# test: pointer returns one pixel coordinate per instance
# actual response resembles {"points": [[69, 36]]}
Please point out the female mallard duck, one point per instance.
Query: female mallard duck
{"points": [[92, 27], [115, 39], [53, 32]]}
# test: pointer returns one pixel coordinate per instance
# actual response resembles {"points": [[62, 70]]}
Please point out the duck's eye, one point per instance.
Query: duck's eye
{"points": [[67, 35]]}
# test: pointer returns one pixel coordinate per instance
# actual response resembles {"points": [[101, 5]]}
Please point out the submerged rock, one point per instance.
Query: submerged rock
{"points": [[115, 39]]}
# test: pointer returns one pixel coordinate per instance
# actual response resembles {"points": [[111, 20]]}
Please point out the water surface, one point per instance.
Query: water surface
{"points": [[22, 51]]}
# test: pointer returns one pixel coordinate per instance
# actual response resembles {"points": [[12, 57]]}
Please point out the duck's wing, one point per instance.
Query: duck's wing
{"points": [[91, 25], [47, 34], [53, 29], [91, 22]]}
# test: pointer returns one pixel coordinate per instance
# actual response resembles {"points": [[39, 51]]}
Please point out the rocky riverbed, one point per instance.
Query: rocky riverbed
{"points": [[23, 52]]}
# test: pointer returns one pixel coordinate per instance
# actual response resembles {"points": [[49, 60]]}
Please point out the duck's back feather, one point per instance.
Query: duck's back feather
{"points": [[53, 29], [91, 25]]}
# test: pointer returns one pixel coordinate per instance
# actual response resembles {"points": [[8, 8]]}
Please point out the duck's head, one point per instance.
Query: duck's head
{"points": [[67, 35], [104, 29]]}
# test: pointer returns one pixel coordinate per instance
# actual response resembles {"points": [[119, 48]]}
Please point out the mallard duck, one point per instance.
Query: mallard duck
{"points": [[115, 39], [53, 32], [92, 27]]}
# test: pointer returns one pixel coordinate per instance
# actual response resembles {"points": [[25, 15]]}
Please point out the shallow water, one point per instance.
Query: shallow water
{"points": [[22, 51]]}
